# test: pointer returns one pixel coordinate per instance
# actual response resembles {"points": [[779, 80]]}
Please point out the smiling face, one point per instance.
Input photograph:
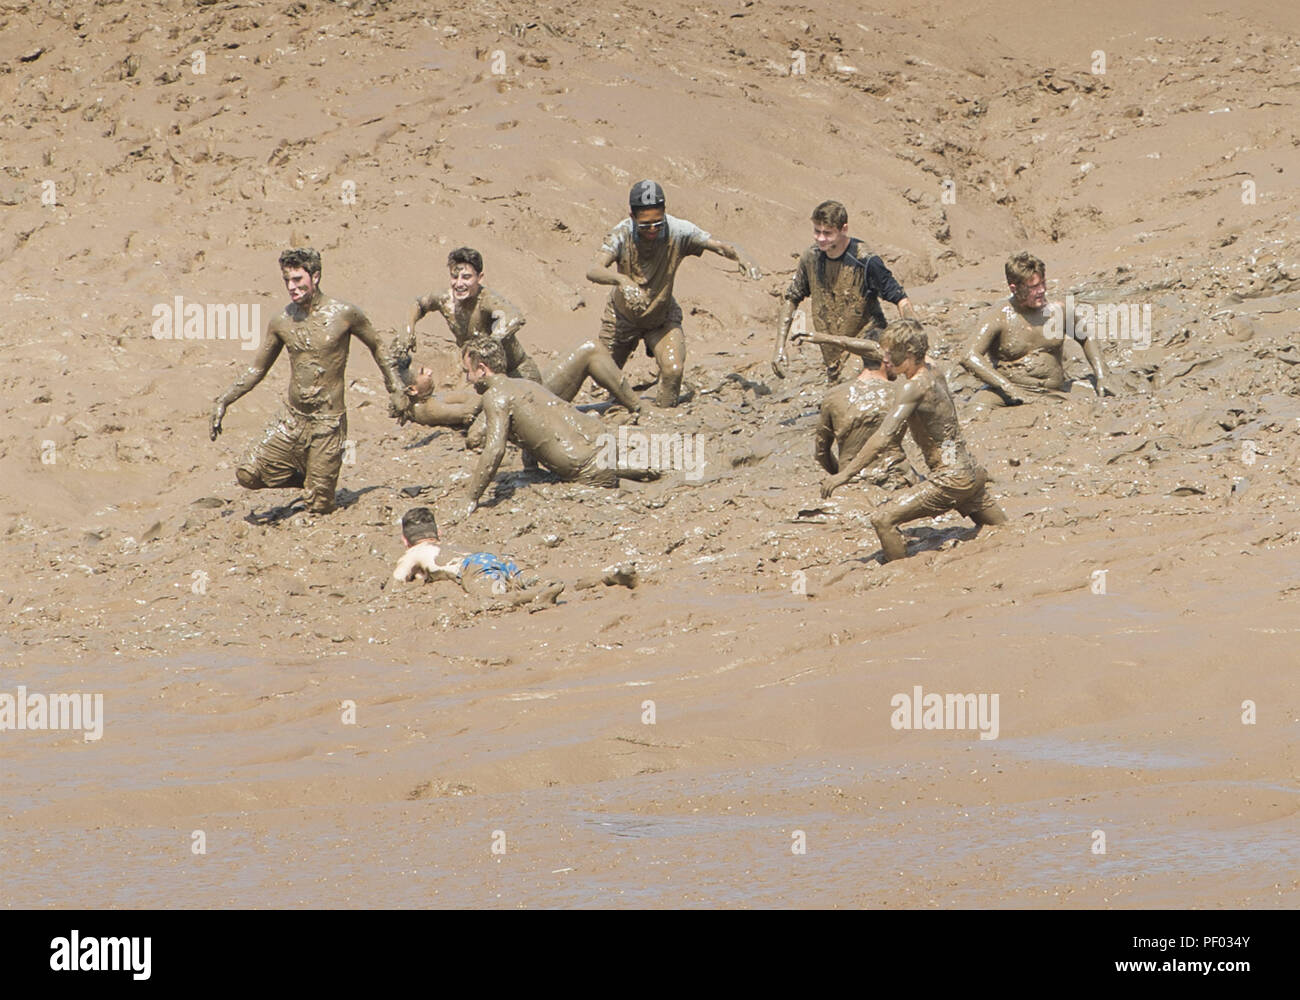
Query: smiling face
{"points": [[465, 282], [650, 223], [830, 240], [300, 284]]}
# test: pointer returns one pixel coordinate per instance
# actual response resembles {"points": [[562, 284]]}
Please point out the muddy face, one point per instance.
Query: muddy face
{"points": [[1032, 294], [650, 224], [300, 284], [465, 282]]}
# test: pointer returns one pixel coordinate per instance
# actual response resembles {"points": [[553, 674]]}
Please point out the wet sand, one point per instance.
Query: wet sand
{"points": [[226, 642]]}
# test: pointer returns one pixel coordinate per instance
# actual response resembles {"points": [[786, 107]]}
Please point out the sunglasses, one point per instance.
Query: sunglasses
{"points": [[650, 227]]}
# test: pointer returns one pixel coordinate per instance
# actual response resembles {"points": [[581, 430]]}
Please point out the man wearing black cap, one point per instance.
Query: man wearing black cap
{"points": [[648, 247]]}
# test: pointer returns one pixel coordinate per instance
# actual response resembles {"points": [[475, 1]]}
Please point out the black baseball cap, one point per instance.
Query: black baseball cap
{"points": [[645, 194]]}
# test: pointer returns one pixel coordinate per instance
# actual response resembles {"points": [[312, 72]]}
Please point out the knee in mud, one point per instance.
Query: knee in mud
{"points": [[248, 479]]}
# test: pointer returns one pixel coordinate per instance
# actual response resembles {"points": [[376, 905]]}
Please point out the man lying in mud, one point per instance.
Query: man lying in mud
{"points": [[853, 411], [846, 282], [303, 446], [924, 406], [491, 580], [648, 247], [588, 360], [568, 442], [1020, 343]]}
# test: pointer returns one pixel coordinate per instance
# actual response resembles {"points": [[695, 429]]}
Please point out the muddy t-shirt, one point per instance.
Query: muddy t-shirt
{"points": [[473, 318], [652, 265], [846, 290]]}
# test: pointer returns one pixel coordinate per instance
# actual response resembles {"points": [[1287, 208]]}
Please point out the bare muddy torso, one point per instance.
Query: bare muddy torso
{"points": [[317, 342], [559, 436], [1028, 349], [935, 428]]}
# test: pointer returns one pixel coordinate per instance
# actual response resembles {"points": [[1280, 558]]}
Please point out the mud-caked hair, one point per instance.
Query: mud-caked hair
{"points": [[466, 255], [304, 257], [485, 350], [1024, 266], [904, 338]]}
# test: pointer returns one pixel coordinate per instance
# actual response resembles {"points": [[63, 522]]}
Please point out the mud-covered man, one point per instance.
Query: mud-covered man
{"points": [[472, 310], [1020, 344], [923, 405], [303, 446], [568, 442], [846, 282], [648, 247], [851, 412]]}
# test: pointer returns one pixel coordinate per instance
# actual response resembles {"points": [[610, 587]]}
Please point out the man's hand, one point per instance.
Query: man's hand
{"points": [[399, 405], [778, 364], [1012, 397], [830, 484], [748, 267], [214, 428], [803, 337], [458, 511]]}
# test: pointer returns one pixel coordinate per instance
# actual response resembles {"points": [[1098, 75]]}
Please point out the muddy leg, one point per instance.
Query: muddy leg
{"points": [[669, 349]]}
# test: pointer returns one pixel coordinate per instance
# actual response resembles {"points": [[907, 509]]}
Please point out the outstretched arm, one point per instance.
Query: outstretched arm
{"points": [[733, 252], [977, 360], [890, 432], [254, 373], [863, 347]]}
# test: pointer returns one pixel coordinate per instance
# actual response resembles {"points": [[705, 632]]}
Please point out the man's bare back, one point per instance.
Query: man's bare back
{"points": [[850, 414]]}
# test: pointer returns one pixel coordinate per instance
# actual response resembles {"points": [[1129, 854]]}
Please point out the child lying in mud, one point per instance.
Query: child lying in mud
{"points": [[493, 581]]}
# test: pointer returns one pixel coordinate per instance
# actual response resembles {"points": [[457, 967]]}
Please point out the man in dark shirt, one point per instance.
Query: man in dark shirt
{"points": [[846, 282]]}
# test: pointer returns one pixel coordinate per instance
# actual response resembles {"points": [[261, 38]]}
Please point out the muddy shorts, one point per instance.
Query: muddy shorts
{"points": [[960, 489], [493, 566], [300, 449], [620, 336]]}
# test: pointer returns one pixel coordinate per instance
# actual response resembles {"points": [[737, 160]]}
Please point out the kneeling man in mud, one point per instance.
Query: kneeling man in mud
{"points": [[303, 446], [1020, 343], [568, 442], [924, 406], [492, 580], [853, 411]]}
